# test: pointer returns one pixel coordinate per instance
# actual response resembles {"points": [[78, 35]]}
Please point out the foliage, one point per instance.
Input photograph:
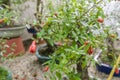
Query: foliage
{"points": [[8, 16], [18, 1], [3, 46], [3, 2], [3, 74], [74, 22], [110, 54], [7, 13]]}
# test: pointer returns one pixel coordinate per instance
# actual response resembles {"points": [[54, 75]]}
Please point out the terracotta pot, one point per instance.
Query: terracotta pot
{"points": [[12, 34], [18, 48]]}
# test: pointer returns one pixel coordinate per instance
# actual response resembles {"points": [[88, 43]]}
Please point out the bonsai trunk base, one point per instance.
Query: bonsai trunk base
{"points": [[83, 72], [15, 47]]}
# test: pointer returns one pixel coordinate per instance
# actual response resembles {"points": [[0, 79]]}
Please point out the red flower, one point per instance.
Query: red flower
{"points": [[32, 48], [46, 68], [100, 20], [117, 71], [90, 50]]}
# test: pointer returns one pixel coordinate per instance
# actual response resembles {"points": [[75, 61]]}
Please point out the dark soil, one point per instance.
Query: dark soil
{"points": [[45, 51]]}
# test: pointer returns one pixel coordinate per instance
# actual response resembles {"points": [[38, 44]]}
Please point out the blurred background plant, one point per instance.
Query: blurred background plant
{"points": [[4, 75], [3, 46], [8, 15]]}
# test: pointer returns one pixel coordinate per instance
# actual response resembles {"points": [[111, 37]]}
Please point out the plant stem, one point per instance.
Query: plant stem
{"points": [[39, 13], [83, 72]]}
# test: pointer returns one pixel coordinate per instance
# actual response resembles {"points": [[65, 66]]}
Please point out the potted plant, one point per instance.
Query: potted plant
{"points": [[77, 25], [108, 57], [8, 20], [5, 74], [9, 28], [42, 46]]}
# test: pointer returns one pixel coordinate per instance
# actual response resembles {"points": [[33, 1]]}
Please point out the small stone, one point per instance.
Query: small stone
{"points": [[16, 76]]}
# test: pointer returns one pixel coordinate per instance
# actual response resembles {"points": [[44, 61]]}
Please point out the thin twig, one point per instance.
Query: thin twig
{"points": [[39, 12], [38, 3]]}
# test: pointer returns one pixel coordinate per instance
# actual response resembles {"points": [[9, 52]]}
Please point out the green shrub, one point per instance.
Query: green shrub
{"points": [[3, 74]]}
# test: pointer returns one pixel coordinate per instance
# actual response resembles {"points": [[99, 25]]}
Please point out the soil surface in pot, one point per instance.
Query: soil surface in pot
{"points": [[45, 51]]}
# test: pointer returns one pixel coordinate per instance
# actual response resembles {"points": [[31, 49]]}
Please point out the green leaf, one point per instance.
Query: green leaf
{"points": [[84, 64], [51, 42], [58, 74], [41, 33]]}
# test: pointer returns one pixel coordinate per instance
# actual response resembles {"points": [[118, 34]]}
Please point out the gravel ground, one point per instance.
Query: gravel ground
{"points": [[27, 67]]}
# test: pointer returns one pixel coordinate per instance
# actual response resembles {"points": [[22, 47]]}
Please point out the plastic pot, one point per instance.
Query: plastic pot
{"points": [[106, 69], [40, 57], [102, 67], [43, 58]]}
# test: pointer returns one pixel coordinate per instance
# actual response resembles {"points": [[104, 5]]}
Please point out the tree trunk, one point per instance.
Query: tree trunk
{"points": [[83, 72]]}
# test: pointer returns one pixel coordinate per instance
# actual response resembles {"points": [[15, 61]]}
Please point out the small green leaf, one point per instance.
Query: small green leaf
{"points": [[58, 74]]}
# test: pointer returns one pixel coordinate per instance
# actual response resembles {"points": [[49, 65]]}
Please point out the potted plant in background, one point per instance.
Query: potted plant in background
{"points": [[3, 46], [108, 57], [73, 23], [8, 19], [5, 74], [9, 28]]}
